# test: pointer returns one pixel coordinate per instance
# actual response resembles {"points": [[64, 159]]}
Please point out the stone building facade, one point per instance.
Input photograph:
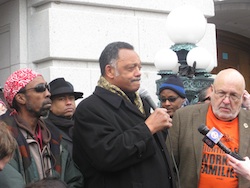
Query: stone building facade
{"points": [[64, 38]]}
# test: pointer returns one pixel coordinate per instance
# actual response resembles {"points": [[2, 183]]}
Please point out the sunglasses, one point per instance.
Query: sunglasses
{"points": [[39, 88], [170, 99]]}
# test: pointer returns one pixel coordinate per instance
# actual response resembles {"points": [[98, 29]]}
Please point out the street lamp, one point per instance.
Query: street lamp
{"points": [[168, 67], [186, 26]]}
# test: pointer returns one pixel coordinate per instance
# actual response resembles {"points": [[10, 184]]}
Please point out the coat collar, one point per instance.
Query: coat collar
{"points": [[197, 136], [244, 136], [115, 100]]}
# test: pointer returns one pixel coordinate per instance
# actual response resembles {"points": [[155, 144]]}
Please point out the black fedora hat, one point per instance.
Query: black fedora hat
{"points": [[60, 86]]}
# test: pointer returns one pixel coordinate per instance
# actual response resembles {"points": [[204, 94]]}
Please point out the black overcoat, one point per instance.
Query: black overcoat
{"points": [[114, 148]]}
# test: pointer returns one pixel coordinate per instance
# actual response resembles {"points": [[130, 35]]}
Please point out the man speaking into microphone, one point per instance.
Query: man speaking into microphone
{"points": [[117, 143], [203, 166]]}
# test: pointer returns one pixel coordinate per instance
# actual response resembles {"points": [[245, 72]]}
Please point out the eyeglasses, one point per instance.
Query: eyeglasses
{"points": [[206, 99], [170, 99], [232, 96], [39, 88]]}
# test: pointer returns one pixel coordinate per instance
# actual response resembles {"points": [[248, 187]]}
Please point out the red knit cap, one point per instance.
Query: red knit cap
{"points": [[16, 81]]}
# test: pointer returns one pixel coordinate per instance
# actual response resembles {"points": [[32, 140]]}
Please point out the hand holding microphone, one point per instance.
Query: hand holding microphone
{"points": [[159, 119], [240, 167]]}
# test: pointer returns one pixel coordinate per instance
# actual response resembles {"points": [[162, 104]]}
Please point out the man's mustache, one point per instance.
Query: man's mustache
{"points": [[136, 80]]}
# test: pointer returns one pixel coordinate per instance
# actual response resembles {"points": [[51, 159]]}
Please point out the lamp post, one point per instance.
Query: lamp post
{"points": [[186, 26]]}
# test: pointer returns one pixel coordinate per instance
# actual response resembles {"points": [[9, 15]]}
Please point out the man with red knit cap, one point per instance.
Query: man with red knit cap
{"points": [[40, 151]]}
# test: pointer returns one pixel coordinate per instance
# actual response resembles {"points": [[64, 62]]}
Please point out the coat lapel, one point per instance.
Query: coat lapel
{"points": [[244, 138], [133, 108], [198, 119]]}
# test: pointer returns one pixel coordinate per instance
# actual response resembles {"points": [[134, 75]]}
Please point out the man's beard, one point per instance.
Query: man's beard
{"points": [[43, 112]]}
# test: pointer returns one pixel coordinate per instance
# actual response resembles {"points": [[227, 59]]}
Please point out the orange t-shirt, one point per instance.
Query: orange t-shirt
{"points": [[215, 172]]}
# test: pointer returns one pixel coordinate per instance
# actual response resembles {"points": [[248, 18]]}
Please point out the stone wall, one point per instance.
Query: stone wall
{"points": [[64, 38]]}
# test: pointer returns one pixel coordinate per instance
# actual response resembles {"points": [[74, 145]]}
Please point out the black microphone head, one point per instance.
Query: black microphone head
{"points": [[203, 129]]}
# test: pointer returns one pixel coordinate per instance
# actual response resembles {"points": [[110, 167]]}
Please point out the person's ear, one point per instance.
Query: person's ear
{"points": [[212, 87], [20, 98], [110, 71]]}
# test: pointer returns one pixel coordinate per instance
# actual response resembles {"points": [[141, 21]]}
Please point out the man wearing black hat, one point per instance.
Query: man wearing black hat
{"points": [[172, 94], [62, 108]]}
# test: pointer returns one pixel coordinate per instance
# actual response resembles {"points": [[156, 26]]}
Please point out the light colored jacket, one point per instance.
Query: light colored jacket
{"points": [[187, 142], [69, 174], [40, 163]]}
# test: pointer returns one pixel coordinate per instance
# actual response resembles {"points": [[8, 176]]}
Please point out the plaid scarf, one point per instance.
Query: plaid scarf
{"points": [[102, 82], [11, 122]]}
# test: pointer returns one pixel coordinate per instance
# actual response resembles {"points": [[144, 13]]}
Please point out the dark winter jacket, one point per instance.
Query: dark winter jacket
{"points": [[114, 148], [64, 126]]}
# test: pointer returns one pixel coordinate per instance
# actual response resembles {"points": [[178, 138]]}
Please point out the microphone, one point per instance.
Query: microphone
{"points": [[145, 95], [213, 137]]}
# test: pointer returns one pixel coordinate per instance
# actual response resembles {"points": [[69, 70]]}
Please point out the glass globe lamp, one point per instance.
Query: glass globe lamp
{"points": [[186, 24], [199, 55], [166, 61]]}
